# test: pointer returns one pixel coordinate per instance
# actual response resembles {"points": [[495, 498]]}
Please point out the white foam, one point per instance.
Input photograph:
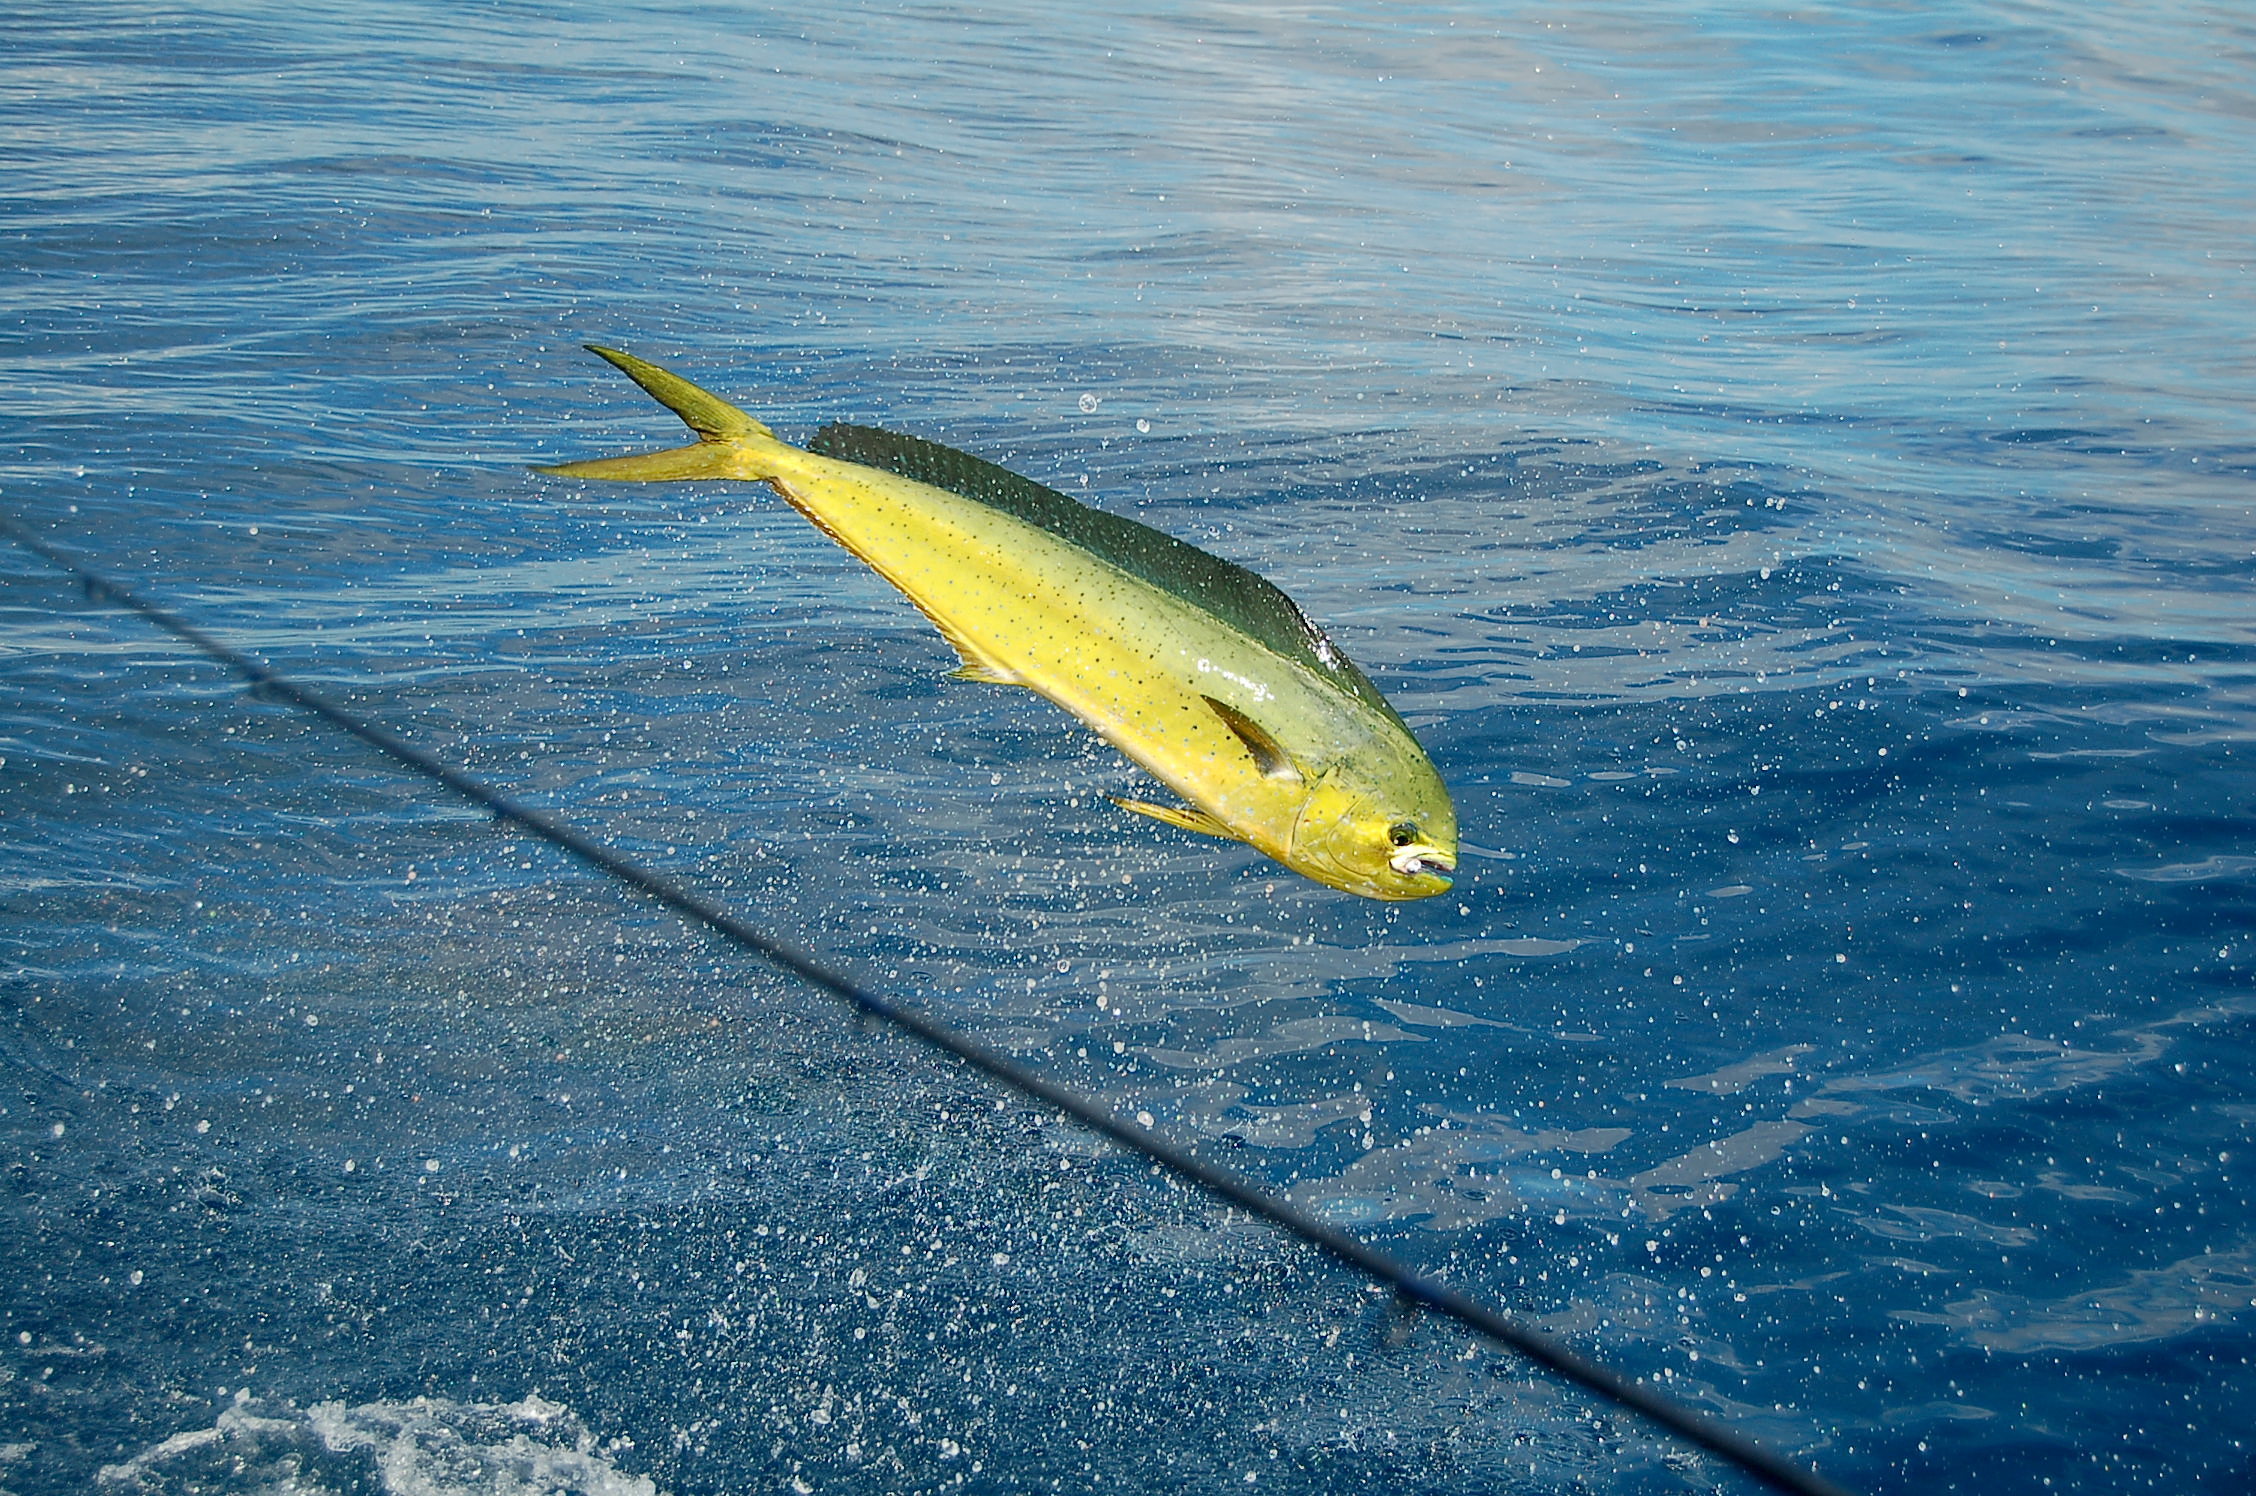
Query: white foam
{"points": [[423, 1447]]}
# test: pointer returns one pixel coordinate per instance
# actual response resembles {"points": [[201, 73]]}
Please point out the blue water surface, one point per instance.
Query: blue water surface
{"points": [[1794, 469]]}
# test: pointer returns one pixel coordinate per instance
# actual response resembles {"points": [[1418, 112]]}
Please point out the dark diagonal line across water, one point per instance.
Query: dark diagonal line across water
{"points": [[1413, 1290]]}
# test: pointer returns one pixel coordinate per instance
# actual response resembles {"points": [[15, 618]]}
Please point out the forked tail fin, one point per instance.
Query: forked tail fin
{"points": [[721, 430]]}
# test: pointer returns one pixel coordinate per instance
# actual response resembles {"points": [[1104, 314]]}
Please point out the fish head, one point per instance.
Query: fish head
{"points": [[1386, 835]]}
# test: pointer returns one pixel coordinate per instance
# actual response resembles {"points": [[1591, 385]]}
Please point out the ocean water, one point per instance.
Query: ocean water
{"points": [[1793, 468]]}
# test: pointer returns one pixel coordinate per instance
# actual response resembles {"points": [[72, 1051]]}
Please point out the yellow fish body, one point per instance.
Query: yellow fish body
{"points": [[1201, 672]]}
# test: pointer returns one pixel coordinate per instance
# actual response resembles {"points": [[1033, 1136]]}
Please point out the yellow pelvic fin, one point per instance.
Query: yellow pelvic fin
{"points": [[699, 460], [1269, 755], [1189, 820]]}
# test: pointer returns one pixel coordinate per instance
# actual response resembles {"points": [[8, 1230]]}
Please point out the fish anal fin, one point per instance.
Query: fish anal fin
{"points": [[978, 665], [985, 674], [1173, 815], [1269, 755]]}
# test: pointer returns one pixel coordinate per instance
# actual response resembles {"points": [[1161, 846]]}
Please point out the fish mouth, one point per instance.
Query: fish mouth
{"points": [[1423, 862]]}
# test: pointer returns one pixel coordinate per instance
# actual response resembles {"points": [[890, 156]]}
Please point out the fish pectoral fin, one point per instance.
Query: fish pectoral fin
{"points": [[1269, 755], [1173, 815]]}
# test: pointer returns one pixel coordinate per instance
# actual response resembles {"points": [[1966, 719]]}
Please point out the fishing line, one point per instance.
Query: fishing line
{"points": [[1413, 1290]]}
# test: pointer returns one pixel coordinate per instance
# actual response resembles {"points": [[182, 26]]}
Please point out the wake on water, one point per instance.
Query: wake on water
{"points": [[426, 1446]]}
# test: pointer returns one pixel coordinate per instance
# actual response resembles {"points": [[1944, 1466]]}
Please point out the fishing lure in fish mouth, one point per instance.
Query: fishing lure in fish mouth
{"points": [[1204, 674]]}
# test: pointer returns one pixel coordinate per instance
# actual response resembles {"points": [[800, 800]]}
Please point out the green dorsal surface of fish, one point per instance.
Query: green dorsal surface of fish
{"points": [[1201, 672]]}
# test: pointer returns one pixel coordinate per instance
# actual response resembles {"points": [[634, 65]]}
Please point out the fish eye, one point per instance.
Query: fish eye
{"points": [[1402, 833]]}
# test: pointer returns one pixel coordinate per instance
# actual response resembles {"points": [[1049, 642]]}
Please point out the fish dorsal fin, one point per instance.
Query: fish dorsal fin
{"points": [[1189, 820], [1268, 754], [1251, 604]]}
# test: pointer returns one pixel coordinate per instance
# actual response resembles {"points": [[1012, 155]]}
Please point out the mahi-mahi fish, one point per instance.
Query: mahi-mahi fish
{"points": [[1203, 673]]}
